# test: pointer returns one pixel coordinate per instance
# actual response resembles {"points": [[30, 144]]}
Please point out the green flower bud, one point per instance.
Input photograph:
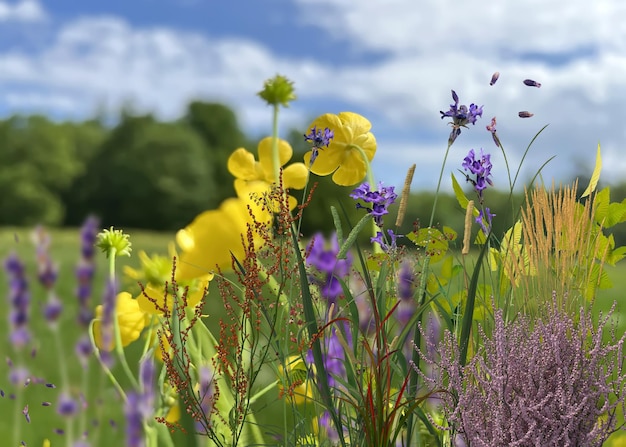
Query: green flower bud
{"points": [[278, 91], [114, 242]]}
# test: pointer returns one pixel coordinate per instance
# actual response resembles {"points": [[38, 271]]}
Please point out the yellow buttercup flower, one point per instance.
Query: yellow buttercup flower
{"points": [[154, 274], [259, 175], [345, 155], [210, 238], [130, 318], [298, 376]]}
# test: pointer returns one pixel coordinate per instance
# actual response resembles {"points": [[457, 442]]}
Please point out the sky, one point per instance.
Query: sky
{"points": [[393, 61]]}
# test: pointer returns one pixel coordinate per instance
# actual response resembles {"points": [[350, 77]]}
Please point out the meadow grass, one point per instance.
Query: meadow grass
{"points": [[104, 407]]}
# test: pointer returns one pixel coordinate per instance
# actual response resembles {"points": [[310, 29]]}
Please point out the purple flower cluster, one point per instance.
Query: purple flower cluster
{"points": [[379, 200], [331, 271], [320, 140], [479, 167], [206, 396], [461, 116], [406, 287], [19, 301], [485, 216], [86, 268], [140, 405], [551, 383]]}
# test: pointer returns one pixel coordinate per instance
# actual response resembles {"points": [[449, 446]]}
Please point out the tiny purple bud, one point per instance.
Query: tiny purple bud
{"points": [[455, 97], [531, 83], [46, 404], [51, 385], [525, 114], [25, 413], [66, 406], [1, 393], [494, 78]]}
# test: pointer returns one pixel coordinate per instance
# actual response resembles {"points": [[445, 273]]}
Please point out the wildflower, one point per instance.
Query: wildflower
{"points": [[155, 273], [206, 396], [258, 176], [494, 78], [332, 270], [297, 373], [130, 318], [278, 91], [114, 242], [85, 269], [461, 116], [525, 114], [381, 240], [492, 128], [19, 301], [380, 200], [47, 272], [66, 406], [481, 168], [134, 420], [146, 382], [320, 139], [531, 83], [485, 216], [349, 153]]}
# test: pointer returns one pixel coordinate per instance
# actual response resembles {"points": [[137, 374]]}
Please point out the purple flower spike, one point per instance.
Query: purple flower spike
{"points": [[380, 200], [386, 245], [320, 140], [406, 286], [481, 168], [461, 116], [19, 301], [483, 216]]}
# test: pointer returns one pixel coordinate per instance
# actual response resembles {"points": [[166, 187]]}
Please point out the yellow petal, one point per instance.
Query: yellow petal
{"points": [[295, 176], [130, 318], [351, 171], [242, 165], [285, 152], [207, 242]]}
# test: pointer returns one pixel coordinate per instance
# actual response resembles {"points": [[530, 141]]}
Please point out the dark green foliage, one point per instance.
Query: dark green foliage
{"points": [[148, 174]]}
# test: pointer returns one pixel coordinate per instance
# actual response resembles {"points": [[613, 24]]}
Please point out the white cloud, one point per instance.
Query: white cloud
{"points": [[575, 48], [23, 11]]}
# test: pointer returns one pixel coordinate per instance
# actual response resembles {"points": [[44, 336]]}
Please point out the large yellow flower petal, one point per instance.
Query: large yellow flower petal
{"points": [[210, 239], [285, 152], [130, 318], [295, 176], [242, 165], [352, 141]]}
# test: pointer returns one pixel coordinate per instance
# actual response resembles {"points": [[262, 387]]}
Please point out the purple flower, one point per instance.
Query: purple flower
{"points": [[406, 286], [531, 83], [206, 397], [19, 301], [461, 116], [485, 215], [320, 139], [481, 168], [86, 268], [53, 308], [47, 272], [330, 269], [146, 381], [67, 406], [492, 128], [134, 421], [525, 114], [379, 200], [381, 240]]}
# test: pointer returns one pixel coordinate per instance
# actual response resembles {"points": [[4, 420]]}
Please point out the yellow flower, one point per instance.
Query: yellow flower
{"points": [[154, 273], [345, 154], [130, 318], [210, 238], [259, 175], [301, 388]]}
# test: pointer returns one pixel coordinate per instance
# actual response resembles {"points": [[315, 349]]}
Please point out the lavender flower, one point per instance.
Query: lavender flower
{"points": [[134, 421], [331, 270], [19, 301], [320, 140], [481, 168], [379, 200], [387, 246], [552, 384], [66, 406], [461, 116], [485, 215], [406, 286], [86, 268], [206, 396]]}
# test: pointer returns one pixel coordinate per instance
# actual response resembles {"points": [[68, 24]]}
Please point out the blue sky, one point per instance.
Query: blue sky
{"points": [[394, 61]]}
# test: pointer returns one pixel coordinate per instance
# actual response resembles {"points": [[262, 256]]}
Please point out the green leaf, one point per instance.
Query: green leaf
{"points": [[458, 192], [616, 214], [434, 242], [601, 203], [593, 182]]}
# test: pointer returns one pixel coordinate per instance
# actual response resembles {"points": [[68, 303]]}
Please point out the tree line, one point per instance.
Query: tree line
{"points": [[150, 174]]}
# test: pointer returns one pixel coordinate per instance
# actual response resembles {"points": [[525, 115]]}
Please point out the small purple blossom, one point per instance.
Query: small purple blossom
{"points": [[66, 406], [461, 116], [531, 83], [485, 216], [406, 286], [134, 420], [320, 140], [331, 270], [492, 128], [494, 78], [481, 168], [19, 301], [379, 200], [47, 272], [206, 397], [387, 245]]}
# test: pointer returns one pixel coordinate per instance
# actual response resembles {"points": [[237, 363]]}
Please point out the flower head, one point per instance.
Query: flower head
{"points": [[492, 128], [349, 153], [531, 83], [19, 300], [379, 200], [330, 270], [114, 242], [484, 220], [481, 168], [387, 245], [278, 91], [320, 140], [461, 116], [130, 318]]}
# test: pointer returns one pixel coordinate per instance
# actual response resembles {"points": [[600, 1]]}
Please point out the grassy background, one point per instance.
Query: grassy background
{"points": [[104, 409]]}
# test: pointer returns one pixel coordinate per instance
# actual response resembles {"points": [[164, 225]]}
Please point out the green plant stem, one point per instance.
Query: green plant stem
{"points": [[443, 166], [275, 155]]}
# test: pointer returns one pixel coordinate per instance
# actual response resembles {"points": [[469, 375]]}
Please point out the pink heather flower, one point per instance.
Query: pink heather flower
{"points": [[554, 383]]}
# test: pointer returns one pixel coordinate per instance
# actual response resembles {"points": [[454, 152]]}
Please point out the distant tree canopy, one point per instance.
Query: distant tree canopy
{"points": [[145, 173]]}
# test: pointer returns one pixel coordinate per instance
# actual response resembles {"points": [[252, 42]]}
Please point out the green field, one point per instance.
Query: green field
{"points": [[103, 413]]}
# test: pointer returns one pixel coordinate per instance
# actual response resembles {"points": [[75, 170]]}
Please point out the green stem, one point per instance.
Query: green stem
{"points": [[443, 166], [275, 157]]}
